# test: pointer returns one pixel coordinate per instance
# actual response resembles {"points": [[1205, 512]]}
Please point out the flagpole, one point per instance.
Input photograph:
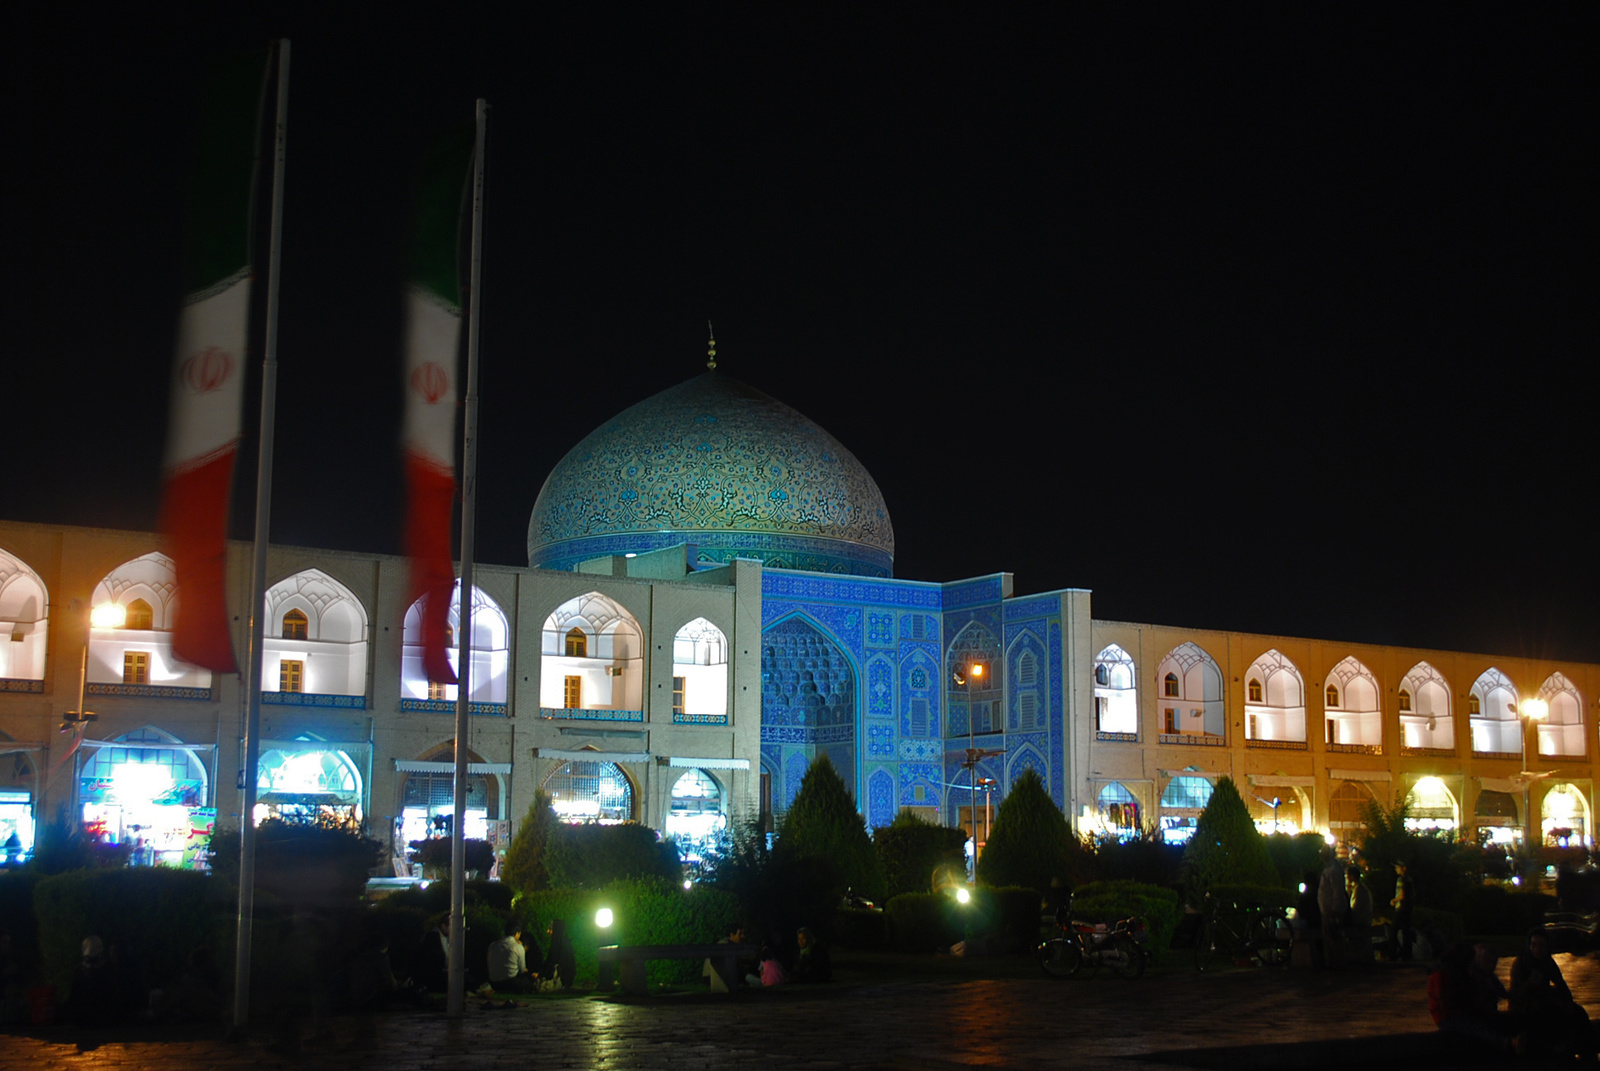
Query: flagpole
{"points": [[469, 492], [258, 570]]}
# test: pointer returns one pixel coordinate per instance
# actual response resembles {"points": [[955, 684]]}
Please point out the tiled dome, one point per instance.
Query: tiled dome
{"points": [[720, 465]]}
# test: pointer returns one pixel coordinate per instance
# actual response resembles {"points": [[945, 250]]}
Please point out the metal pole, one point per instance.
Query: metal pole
{"points": [[258, 568], [469, 474]]}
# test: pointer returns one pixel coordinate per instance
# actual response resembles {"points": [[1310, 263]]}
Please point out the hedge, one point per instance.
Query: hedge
{"points": [[1109, 901], [1495, 909], [922, 922], [155, 916]]}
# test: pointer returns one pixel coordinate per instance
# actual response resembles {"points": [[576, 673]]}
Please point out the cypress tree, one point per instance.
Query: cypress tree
{"points": [[1030, 840], [526, 869], [1226, 848], [822, 826]]}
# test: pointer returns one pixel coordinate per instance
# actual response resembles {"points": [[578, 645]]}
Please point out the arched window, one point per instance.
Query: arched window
{"points": [[974, 685], [1275, 705], [1169, 685], [1254, 690], [577, 643], [608, 675], [700, 674], [590, 792], [140, 615], [1181, 803], [1405, 701], [144, 786], [1190, 675], [296, 626], [1561, 732], [1116, 705], [1492, 708], [1119, 811], [491, 652], [696, 814], [1333, 695], [1425, 718], [331, 657], [24, 622]]}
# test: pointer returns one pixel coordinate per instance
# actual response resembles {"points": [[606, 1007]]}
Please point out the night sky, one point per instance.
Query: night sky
{"points": [[1278, 318]]}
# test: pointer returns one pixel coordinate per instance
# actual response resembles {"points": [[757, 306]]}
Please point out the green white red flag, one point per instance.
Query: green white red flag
{"points": [[208, 372], [432, 357]]}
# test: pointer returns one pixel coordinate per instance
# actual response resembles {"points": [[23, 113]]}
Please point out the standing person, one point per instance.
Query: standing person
{"points": [[1360, 918], [1403, 905], [434, 957], [1333, 902]]}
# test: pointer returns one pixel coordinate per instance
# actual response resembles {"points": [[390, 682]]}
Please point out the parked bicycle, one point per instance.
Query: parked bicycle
{"points": [[1086, 946], [1234, 930]]}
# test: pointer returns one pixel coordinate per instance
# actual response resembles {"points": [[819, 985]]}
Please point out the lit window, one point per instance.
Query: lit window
{"points": [[1253, 730], [573, 693], [436, 690], [1171, 717], [139, 615], [1405, 699], [1472, 705], [1170, 685], [135, 667], [291, 675], [295, 625], [677, 694], [577, 646], [1255, 690], [1333, 695], [1102, 674]]}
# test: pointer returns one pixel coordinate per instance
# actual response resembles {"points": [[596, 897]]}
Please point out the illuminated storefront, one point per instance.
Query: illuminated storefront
{"points": [[1564, 817], [1431, 807], [305, 780], [590, 792], [148, 791], [696, 815]]}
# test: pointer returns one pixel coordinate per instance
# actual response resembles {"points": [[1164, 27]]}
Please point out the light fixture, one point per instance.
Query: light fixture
{"points": [[603, 918], [1535, 709], [108, 615]]}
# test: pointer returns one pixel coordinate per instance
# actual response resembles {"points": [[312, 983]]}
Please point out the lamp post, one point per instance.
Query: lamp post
{"points": [[1532, 711]]}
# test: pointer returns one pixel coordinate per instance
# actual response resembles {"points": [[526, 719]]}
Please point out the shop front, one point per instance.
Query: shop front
{"points": [[147, 790], [309, 780]]}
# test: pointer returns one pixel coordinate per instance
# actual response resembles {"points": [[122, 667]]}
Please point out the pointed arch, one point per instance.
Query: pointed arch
{"points": [[491, 653], [609, 675], [1275, 700], [24, 621], [327, 658], [972, 682], [1116, 696], [146, 581], [1352, 712], [1561, 732], [1426, 715], [1492, 716], [1191, 699]]}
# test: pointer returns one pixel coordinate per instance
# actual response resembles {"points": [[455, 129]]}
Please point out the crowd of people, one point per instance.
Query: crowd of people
{"points": [[1541, 1019], [1336, 919], [769, 966]]}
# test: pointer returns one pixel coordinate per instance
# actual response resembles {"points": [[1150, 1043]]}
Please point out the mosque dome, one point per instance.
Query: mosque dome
{"points": [[719, 465]]}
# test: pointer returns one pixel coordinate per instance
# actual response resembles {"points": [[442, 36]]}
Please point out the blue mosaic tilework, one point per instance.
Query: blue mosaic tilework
{"points": [[880, 688], [881, 807], [717, 456], [880, 630], [575, 714], [680, 718], [167, 691], [13, 684], [921, 750], [1058, 721], [964, 593], [719, 548], [448, 706], [880, 740], [312, 699], [794, 587], [794, 770], [1032, 608], [925, 774]]}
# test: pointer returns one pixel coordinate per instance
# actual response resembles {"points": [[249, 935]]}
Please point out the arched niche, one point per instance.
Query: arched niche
{"points": [[1116, 696], [1189, 692], [972, 677], [1182, 800], [1274, 700], [697, 811], [24, 622], [491, 651], [591, 791], [1492, 715], [331, 659], [145, 788], [1561, 731], [427, 796], [1352, 714], [1347, 809], [308, 781], [699, 673], [1426, 713], [1118, 811], [1497, 817], [1565, 817], [592, 658], [808, 698], [1432, 806], [139, 657]]}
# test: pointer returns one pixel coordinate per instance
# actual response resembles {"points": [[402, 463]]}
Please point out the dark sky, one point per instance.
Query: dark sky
{"points": [[1277, 318]]}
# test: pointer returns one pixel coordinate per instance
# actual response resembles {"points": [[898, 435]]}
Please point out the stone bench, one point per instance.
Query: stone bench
{"points": [[628, 961]]}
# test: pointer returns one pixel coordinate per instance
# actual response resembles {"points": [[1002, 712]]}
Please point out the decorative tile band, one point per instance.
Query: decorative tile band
{"points": [[9, 684], [448, 706], [807, 734], [148, 691], [1117, 738], [1496, 754], [1192, 740], [1429, 752], [313, 699], [575, 714], [680, 718], [1288, 745], [1355, 749]]}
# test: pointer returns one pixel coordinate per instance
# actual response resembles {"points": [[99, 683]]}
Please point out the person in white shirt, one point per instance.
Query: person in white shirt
{"points": [[508, 965]]}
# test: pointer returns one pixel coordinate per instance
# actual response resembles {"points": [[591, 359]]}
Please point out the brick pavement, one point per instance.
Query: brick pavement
{"points": [[1178, 1018]]}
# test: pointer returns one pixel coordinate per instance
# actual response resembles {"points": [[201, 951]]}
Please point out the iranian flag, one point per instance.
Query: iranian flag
{"points": [[432, 344], [209, 368]]}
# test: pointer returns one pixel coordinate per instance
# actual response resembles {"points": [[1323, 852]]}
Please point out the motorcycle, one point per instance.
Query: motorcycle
{"points": [[1086, 946]]}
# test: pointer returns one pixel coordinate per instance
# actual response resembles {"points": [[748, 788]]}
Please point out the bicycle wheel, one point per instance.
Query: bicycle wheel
{"points": [[1127, 958], [1272, 939], [1060, 957], [1205, 945]]}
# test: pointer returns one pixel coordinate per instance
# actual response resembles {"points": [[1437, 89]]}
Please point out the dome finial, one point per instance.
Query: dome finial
{"points": [[711, 348]]}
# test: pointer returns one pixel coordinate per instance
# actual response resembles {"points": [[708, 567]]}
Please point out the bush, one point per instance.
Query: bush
{"points": [[1293, 857], [435, 854], [823, 830], [1030, 841], [525, 869], [646, 912], [1013, 918], [1147, 858], [592, 856], [922, 922], [777, 894], [1497, 910], [155, 915], [861, 928], [1449, 925], [17, 920], [1109, 901], [303, 865], [1226, 848], [912, 848]]}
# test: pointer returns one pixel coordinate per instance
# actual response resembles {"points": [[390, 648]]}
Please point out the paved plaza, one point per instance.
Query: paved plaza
{"points": [[1175, 1018]]}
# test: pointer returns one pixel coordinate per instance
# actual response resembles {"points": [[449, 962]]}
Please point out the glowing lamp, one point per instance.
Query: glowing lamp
{"points": [[108, 615], [603, 918], [687, 884], [1535, 709], [977, 669], [963, 896]]}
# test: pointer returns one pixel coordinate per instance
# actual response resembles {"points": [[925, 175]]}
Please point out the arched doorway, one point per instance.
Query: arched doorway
{"points": [[1119, 812], [696, 813], [1497, 817], [1347, 810], [1432, 806], [1181, 803], [584, 791], [1564, 817], [147, 790], [309, 783]]}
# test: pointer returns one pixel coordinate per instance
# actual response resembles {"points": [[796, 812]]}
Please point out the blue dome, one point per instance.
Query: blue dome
{"points": [[720, 465]]}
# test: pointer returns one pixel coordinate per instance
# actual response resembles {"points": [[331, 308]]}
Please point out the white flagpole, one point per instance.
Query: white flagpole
{"points": [[258, 570], [469, 489]]}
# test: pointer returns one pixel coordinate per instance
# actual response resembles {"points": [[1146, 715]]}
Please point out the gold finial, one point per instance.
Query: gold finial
{"points": [[711, 350]]}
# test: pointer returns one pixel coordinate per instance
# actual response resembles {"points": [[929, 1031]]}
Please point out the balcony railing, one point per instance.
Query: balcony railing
{"points": [[1277, 745], [575, 714], [13, 684], [147, 691], [1517, 755], [1356, 749], [1193, 739], [313, 699], [448, 706], [680, 718], [1428, 752], [1116, 738]]}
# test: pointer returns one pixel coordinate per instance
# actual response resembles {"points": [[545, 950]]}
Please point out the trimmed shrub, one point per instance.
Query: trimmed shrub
{"points": [[16, 914], [1292, 857], [1497, 910], [1226, 848], [525, 869], [593, 856], [861, 928], [922, 922], [1030, 841], [1108, 901], [1147, 858], [822, 826], [1449, 925], [155, 915], [647, 912], [1014, 918], [912, 848], [435, 853], [299, 864]]}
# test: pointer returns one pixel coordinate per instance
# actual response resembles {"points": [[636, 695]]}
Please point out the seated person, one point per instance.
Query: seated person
{"points": [[508, 965], [813, 964]]}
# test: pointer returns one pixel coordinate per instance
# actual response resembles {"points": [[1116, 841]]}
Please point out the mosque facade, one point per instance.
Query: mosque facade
{"points": [[709, 606]]}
